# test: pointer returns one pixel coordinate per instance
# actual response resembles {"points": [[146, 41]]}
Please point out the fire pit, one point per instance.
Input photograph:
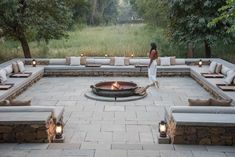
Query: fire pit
{"points": [[115, 89]]}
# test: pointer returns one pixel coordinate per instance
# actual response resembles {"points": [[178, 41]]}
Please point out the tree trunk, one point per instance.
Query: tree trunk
{"points": [[25, 45], [190, 50], [94, 6], [207, 49]]}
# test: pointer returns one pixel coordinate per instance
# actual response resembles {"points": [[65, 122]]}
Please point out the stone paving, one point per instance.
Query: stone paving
{"points": [[112, 129]]}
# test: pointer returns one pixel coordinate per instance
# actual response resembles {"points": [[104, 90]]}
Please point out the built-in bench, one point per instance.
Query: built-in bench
{"points": [[29, 123], [202, 125]]}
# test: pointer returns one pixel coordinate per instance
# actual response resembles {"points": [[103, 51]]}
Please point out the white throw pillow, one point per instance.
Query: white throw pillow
{"points": [[119, 61], [225, 70], [212, 67], [8, 69], [74, 61], [3, 75], [21, 66], [230, 77], [165, 61]]}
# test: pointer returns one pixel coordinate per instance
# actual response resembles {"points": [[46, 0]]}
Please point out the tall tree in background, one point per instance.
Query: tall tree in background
{"points": [[103, 11], [81, 10], [47, 19], [189, 20], [154, 12]]}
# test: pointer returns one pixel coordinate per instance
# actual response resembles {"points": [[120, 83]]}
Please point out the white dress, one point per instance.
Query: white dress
{"points": [[152, 72]]}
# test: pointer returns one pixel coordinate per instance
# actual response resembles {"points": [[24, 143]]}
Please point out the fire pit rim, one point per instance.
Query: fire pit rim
{"points": [[114, 93]]}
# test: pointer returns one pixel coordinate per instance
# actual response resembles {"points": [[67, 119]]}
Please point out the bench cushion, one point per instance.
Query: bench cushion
{"points": [[57, 112]]}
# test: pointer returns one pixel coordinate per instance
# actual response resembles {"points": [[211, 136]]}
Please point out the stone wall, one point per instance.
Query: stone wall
{"points": [[24, 133], [203, 135], [109, 73]]}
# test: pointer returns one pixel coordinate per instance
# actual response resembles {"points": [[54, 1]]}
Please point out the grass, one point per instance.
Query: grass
{"points": [[119, 40]]}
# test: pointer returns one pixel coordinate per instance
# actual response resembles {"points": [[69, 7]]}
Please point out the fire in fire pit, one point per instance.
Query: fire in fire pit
{"points": [[115, 89], [115, 86]]}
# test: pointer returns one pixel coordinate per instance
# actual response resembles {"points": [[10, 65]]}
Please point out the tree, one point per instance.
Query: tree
{"points": [[103, 11], [189, 19], [81, 10], [47, 19], [227, 15], [154, 12]]}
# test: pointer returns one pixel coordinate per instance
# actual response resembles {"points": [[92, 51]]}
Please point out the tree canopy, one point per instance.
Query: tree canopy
{"points": [[189, 22], [47, 19], [227, 15]]}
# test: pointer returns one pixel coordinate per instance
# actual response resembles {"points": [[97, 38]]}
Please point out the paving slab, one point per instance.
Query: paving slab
{"points": [[31, 146], [208, 154], [78, 153], [44, 153], [62, 146], [143, 153], [111, 153], [127, 146]]}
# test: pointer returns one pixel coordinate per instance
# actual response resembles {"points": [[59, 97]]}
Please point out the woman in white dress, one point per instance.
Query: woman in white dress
{"points": [[152, 67]]}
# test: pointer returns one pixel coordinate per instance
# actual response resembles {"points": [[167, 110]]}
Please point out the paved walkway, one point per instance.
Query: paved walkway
{"points": [[109, 129]]}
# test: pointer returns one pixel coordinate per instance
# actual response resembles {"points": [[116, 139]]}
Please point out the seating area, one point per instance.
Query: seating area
{"points": [[180, 118]]}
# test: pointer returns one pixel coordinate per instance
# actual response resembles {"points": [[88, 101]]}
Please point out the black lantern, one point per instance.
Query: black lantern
{"points": [[81, 54], [59, 130], [132, 55], [162, 129], [34, 63], [200, 63], [106, 55]]}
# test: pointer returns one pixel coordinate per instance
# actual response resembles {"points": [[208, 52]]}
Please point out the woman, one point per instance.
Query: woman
{"points": [[152, 67]]}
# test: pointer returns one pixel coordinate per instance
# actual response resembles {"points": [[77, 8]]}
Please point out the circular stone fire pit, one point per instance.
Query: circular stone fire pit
{"points": [[115, 91]]}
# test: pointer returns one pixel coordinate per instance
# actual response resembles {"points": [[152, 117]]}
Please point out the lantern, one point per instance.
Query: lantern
{"points": [[81, 54], [59, 130], [200, 63], [34, 63], [162, 129]]}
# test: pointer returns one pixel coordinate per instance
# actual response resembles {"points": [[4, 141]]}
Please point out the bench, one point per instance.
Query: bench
{"points": [[29, 124], [201, 125]]}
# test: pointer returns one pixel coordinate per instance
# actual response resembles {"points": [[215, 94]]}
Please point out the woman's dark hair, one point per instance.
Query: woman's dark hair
{"points": [[153, 46]]}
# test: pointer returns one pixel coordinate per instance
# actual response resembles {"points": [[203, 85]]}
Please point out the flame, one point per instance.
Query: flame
{"points": [[115, 86]]}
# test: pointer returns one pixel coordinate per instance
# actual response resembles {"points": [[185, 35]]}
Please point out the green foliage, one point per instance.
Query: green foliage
{"points": [[81, 10], [117, 40], [103, 12], [154, 12], [227, 15], [189, 19], [43, 20]]}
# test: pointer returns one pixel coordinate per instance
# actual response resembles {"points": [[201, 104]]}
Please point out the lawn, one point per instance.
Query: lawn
{"points": [[116, 40]]}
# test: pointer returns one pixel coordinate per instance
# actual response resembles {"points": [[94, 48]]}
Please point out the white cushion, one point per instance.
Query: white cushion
{"points": [[119, 61], [57, 61], [8, 69], [134, 61], [212, 67], [144, 61], [75, 61], [21, 66], [139, 61], [230, 77], [105, 61], [90, 61], [3, 75], [165, 61], [179, 61], [225, 70]]}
